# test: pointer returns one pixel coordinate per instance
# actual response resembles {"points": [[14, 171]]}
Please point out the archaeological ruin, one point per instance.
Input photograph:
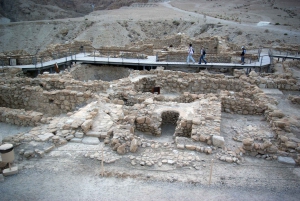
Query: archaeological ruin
{"points": [[118, 107]]}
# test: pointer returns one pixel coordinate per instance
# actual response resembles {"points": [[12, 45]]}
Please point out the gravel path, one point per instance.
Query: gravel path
{"points": [[37, 184]]}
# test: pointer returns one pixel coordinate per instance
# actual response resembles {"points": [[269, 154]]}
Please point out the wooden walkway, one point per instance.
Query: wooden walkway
{"points": [[149, 62]]}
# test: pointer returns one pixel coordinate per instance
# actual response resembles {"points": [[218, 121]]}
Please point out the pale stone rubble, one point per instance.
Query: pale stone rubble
{"points": [[114, 117]]}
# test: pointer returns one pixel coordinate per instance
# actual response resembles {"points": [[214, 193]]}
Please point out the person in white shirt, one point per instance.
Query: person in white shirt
{"points": [[190, 54]]}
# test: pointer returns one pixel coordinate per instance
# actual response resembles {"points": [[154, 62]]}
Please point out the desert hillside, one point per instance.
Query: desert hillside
{"points": [[31, 10], [236, 24]]}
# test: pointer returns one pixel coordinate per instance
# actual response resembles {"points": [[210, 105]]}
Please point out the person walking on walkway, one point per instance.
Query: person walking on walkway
{"points": [[190, 54], [243, 55], [202, 56]]}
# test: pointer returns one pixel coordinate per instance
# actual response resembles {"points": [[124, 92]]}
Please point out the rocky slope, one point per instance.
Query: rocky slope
{"points": [[30, 10]]}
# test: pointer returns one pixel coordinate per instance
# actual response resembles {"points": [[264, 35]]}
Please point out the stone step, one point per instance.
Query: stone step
{"points": [[97, 134], [91, 140], [76, 140], [286, 160]]}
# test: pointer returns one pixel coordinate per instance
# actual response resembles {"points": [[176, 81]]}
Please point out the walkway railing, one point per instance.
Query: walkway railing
{"points": [[118, 58]]}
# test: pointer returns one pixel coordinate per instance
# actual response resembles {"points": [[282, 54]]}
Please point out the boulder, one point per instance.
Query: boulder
{"points": [[87, 125], [121, 149], [218, 141], [248, 142], [134, 145], [140, 120], [290, 144]]}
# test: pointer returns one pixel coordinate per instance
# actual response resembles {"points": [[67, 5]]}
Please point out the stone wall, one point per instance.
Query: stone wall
{"points": [[200, 83], [245, 102], [294, 99], [34, 98], [50, 93], [20, 117], [85, 73], [272, 81]]}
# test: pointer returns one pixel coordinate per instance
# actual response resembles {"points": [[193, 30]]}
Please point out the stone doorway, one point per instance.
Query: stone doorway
{"points": [[169, 123]]}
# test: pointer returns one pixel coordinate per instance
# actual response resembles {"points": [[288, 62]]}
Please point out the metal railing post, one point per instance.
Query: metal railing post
{"points": [[261, 60]]}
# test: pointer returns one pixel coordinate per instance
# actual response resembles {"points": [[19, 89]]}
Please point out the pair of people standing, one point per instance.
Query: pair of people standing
{"points": [[191, 52]]}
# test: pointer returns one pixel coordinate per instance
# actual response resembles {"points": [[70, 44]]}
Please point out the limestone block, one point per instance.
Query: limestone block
{"points": [[204, 137], [140, 120], [180, 146], [229, 159], [256, 146], [195, 137], [87, 125], [280, 124], [190, 147], [115, 141], [290, 144], [148, 120], [37, 117], [267, 144], [277, 113], [208, 150], [45, 136], [91, 140], [248, 142], [79, 135], [284, 138], [134, 145], [76, 123], [76, 140], [69, 137], [218, 141], [273, 149], [28, 153], [148, 101], [121, 149], [286, 160]]}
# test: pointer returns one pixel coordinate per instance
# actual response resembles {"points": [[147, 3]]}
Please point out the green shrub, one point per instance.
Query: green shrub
{"points": [[176, 23]]}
